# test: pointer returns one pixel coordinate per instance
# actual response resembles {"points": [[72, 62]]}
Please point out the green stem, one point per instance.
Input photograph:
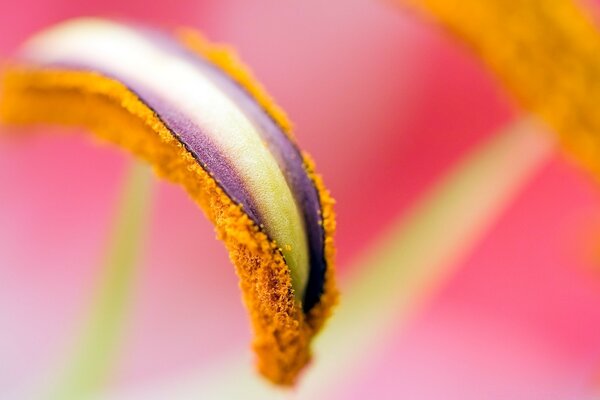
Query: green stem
{"points": [[100, 339]]}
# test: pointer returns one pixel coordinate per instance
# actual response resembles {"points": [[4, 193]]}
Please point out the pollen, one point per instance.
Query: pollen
{"points": [[116, 115], [544, 53]]}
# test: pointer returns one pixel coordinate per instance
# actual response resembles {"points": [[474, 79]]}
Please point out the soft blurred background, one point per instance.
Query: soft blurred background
{"points": [[386, 104]]}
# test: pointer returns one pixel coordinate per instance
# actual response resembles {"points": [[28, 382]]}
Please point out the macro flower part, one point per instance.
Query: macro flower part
{"points": [[544, 53], [193, 112]]}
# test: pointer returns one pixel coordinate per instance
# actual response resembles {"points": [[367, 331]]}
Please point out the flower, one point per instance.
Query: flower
{"points": [[516, 313]]}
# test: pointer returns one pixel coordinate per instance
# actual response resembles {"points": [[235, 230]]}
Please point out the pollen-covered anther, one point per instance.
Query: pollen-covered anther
{"points": [[201, 120]]}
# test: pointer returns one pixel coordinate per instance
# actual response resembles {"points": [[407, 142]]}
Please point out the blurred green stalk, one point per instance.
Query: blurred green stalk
{"points": [[99, 341], [423, 248]]}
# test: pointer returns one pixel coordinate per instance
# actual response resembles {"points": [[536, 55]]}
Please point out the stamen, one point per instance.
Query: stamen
{"points": [[228, 147]]}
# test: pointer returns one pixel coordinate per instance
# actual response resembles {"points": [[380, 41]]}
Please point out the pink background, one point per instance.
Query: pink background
{"points": [[385, 104]]}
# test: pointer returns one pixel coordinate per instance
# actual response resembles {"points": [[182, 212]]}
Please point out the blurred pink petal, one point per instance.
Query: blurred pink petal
{"points": [[369, 89], [519, 320]]}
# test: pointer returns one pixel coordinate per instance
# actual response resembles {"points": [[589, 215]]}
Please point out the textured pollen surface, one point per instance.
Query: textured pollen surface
{"points": [[205, 117], [226, 60], [546, 53], [282, 331]]}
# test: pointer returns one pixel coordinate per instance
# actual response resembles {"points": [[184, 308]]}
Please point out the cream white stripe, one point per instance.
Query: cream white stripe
{"points": [[119, 50]]}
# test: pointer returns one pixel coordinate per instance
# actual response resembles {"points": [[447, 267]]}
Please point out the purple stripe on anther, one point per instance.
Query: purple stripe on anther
{"points": [[191, 136], [217, 163], [206, 152], [281, 147]]}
